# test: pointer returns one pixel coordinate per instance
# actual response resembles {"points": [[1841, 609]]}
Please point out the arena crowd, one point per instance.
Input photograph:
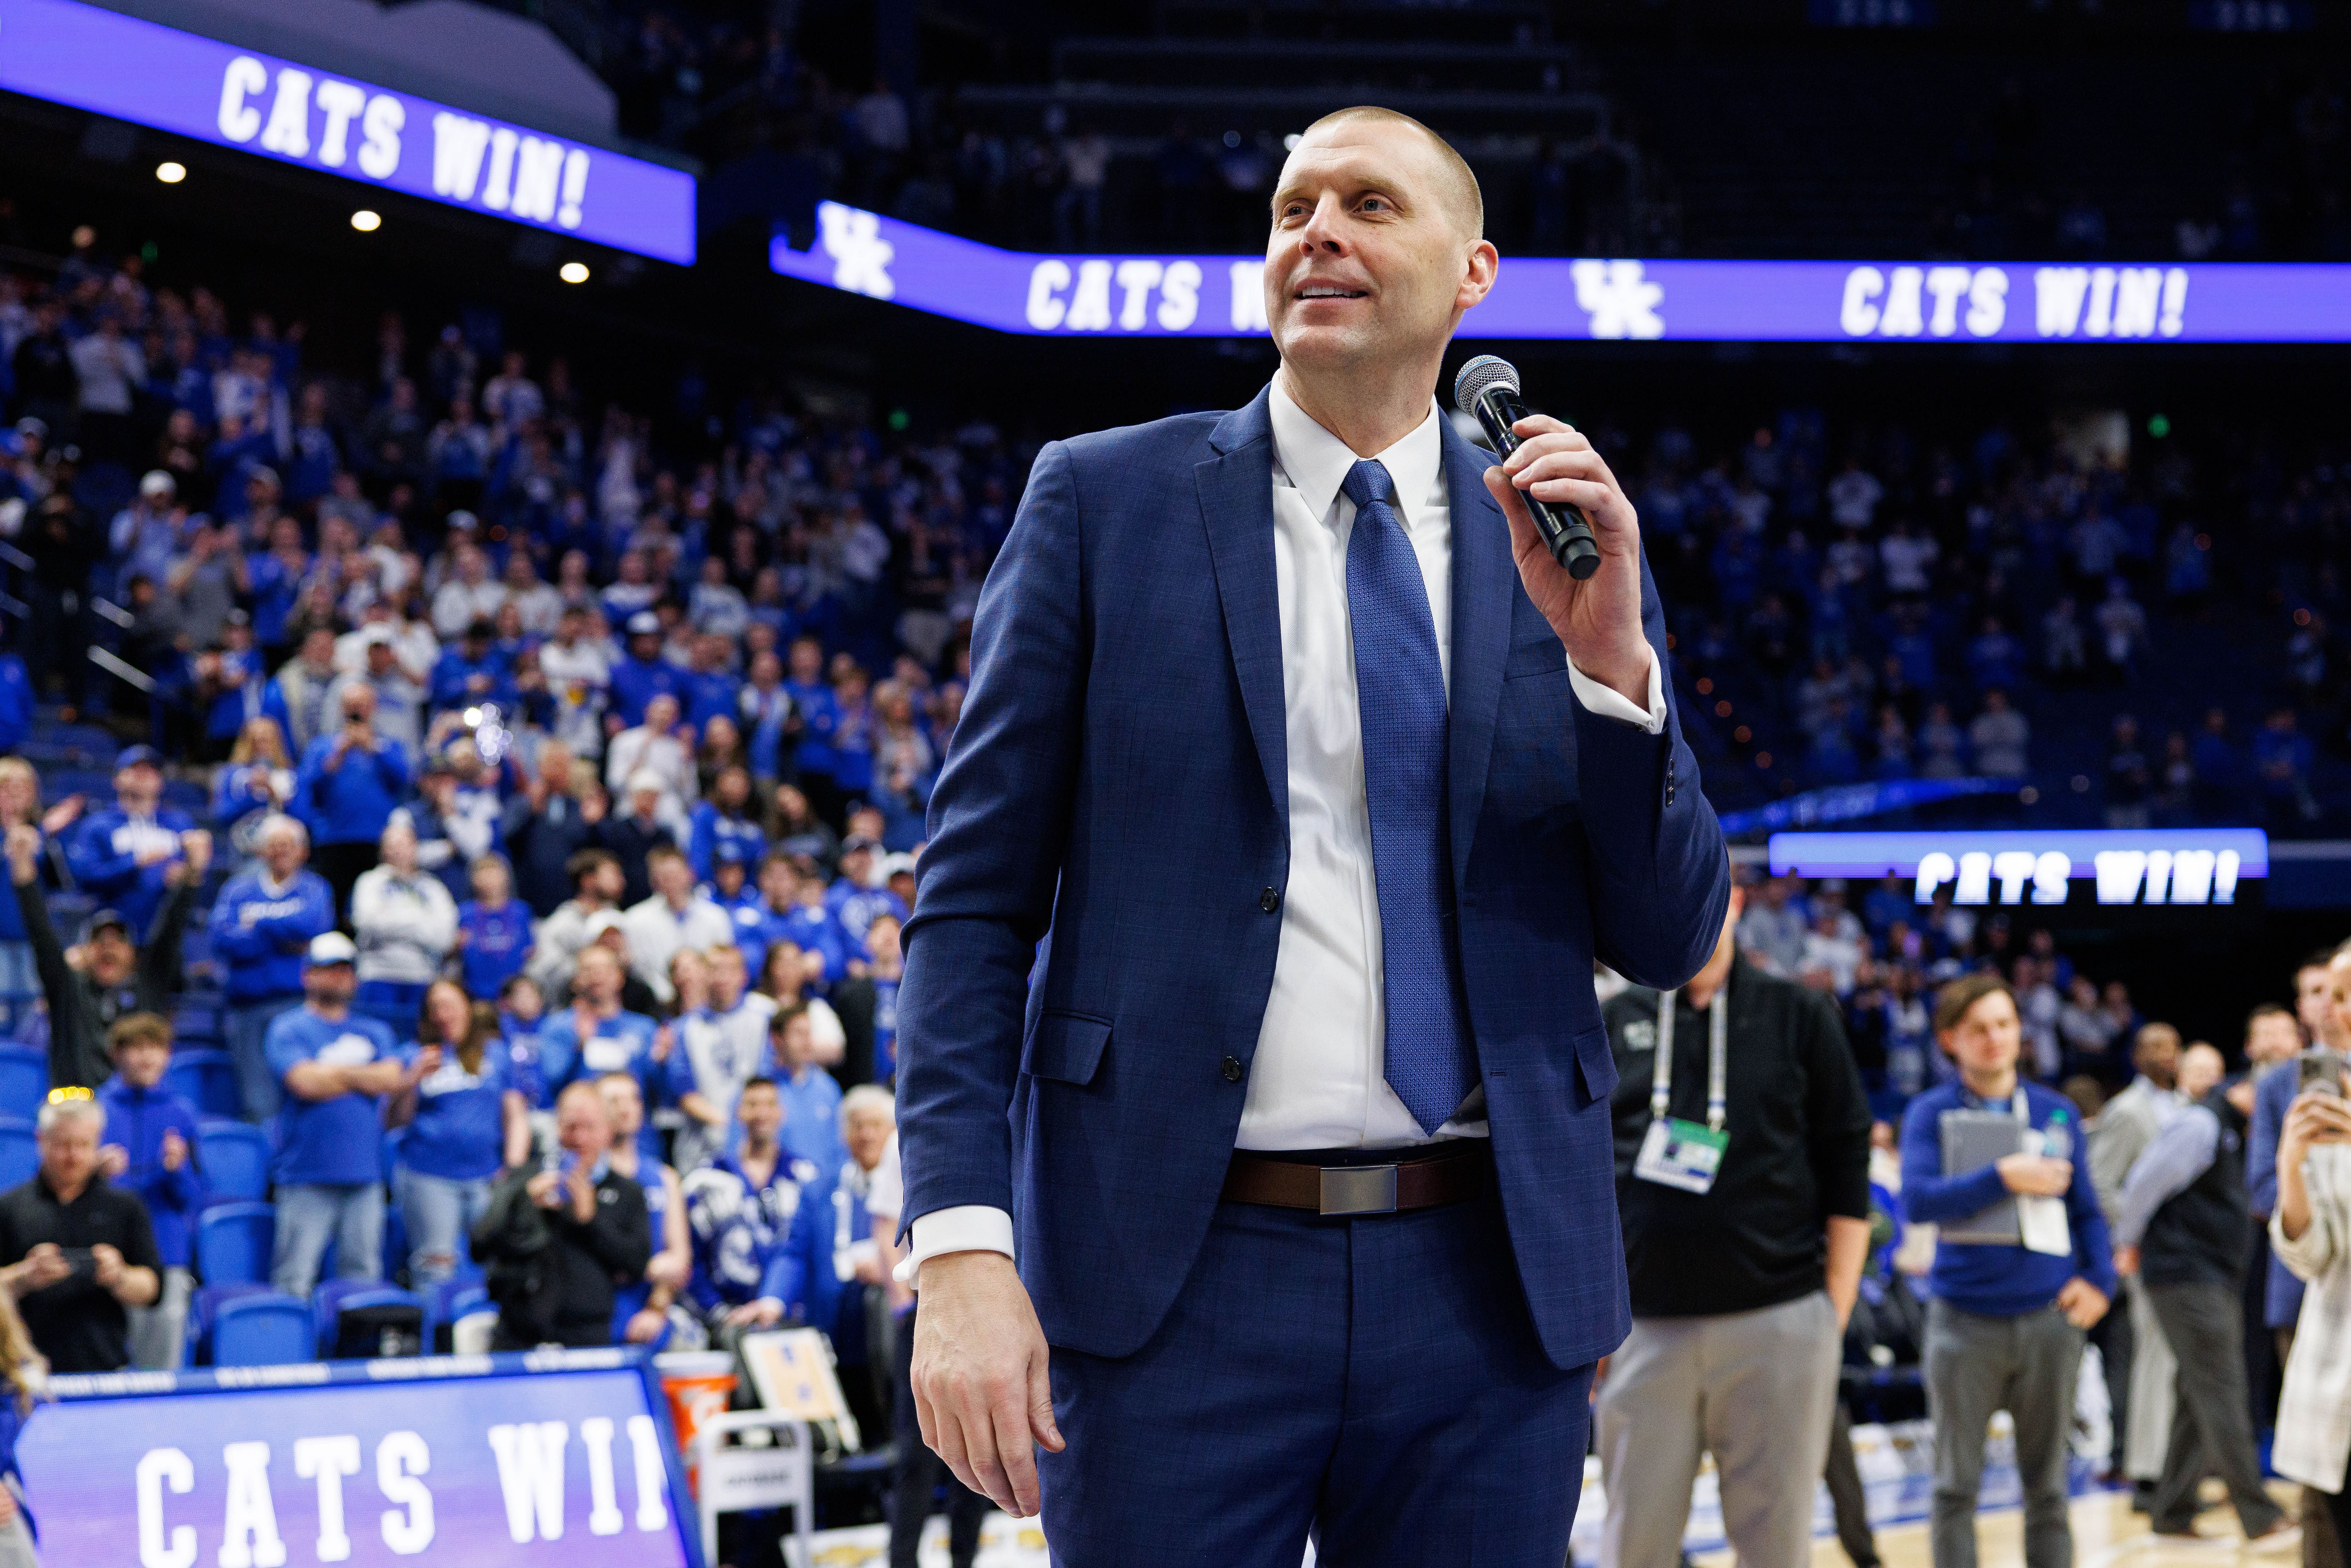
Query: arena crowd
{"points": [[499, 895]]}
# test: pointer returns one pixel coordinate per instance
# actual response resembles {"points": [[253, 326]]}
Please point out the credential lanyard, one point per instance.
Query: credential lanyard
{"points": [[1661, 1076]]}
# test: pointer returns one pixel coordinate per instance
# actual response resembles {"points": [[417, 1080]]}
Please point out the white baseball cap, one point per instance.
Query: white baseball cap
{"points": [[332, 947]]}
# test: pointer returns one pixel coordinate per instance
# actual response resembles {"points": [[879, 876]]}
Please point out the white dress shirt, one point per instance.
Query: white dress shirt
{"points": [[1317, 1078]]}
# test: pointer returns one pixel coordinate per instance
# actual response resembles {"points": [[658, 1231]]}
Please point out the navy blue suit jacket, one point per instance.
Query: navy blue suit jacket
{"points": [[1120, 778]]}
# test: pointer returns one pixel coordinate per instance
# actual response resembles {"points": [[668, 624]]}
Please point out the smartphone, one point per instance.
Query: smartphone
{"points": [[2322, 1070], [80, 1261]]}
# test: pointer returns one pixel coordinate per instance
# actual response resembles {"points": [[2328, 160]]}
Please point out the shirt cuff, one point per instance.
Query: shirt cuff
{"points": [[969, 1228], [1608, 703]]}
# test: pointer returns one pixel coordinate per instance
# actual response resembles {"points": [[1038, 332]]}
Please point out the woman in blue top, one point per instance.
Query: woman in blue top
{"points": [[257, 783], [20, 802], [466, 1120]]}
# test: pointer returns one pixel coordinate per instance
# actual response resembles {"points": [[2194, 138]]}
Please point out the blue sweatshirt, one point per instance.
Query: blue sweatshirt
{"points": [[350, 804], [800, 1271], [137, 1119], [737, 1228], [261, 932], [2001, 1282], [103, 855], [713, 827], [460, 1130], [336, 1142], [497, 943], [636, 682]]}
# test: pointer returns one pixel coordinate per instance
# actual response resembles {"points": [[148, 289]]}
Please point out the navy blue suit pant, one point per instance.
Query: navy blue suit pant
{"points": [[1374, 1381]]}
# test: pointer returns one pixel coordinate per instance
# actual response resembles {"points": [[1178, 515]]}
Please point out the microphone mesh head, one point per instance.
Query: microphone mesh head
{"points": [[1485, 371]]}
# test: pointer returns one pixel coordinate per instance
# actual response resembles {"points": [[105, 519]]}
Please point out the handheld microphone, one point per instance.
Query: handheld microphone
{"points": [[1486, 388]]}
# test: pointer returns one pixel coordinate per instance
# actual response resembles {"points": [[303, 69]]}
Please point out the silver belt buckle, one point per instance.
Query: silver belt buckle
{"points": [[1359, 1189]]}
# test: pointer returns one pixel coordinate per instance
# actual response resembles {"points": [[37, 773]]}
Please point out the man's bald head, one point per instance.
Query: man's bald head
{"points": [[1458, 182]]}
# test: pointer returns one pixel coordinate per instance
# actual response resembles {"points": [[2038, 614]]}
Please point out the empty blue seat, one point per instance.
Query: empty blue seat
{"points": [[196, 1348], [264, 1329], [20, 1157], [234, 1159], [234, 1242], [196, 1024], [206, 1080], [24, 1081]]}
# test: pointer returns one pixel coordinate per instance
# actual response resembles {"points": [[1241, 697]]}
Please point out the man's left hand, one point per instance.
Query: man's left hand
{"points": [[1599, 619], [108, 1265], [645, 1326], [2082, 1303], [1843, 1302]]}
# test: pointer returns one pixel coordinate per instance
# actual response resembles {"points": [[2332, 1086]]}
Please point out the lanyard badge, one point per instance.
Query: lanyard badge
{"points": [[1675, 1153]]}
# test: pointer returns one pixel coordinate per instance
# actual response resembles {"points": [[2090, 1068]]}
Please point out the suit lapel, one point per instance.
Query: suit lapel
{"points": [[1236, 490], [1485, 579]]}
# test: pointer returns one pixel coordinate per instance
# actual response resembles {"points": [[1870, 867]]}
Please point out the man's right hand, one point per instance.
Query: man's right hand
{"points": [[982, 1389], [44, 1266], [2035, 1175]]}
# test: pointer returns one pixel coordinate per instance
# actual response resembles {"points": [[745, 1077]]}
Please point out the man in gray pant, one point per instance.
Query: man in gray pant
{"points": [[2005, 1329], [1742, 1172], [2182, 1229]]}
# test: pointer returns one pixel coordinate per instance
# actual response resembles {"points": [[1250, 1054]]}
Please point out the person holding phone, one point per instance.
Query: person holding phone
{"points": [[78, 1251], [2309, 1232], [557, 1242]]}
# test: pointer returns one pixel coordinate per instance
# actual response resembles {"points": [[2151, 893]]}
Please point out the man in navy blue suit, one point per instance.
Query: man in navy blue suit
{"points": [[1322, 808]]}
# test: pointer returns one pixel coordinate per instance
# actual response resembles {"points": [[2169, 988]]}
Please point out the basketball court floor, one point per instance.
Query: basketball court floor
{"points": [[2106, 1535]]}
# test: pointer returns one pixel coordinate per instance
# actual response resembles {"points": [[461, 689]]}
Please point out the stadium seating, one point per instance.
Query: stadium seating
{"points": [[195, 1023], [234, 1242], [205, 1079], [335, 1301], [24, 1081], [264, 1329], [20, 1157], [447, 1302], [234, 1159]]}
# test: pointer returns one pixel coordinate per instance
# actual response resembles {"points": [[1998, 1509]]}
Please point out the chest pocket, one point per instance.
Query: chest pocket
{"points": [[1067, 1047], [1545, 655]]}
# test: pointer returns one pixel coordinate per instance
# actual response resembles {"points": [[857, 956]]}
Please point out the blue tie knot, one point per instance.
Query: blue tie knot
{"points": [[1368, 482]]}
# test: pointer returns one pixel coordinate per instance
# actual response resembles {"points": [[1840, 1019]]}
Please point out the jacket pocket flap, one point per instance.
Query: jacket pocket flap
{"points": [[1596, 1062], [1068, 1047], [1543, 657]]}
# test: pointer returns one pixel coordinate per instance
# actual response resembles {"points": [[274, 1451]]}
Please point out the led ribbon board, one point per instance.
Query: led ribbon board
{"points": [[563, 1461], [210, 92], [1541, 296], [2157, 866]]}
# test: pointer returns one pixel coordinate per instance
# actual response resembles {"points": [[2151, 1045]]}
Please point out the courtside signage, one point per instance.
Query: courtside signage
{"points": [[194, 87], [512, 1460], [1542, 296], [2157, 865]]}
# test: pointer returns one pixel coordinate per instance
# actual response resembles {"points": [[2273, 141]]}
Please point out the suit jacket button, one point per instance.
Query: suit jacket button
{"points": [[1233, 1070], [1270, 900]]}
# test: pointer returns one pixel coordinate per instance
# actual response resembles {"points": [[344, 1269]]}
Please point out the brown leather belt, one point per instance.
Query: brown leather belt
{"points": [[1462, 1171]]}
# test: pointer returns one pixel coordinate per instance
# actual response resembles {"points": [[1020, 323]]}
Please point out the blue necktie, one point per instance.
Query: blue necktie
{"points": [[1400, 689]]}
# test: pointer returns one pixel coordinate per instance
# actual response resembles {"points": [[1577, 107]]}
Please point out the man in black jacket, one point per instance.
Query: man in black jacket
{"points": [[115, 978], [1743, 1178], [557, 1242]]}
